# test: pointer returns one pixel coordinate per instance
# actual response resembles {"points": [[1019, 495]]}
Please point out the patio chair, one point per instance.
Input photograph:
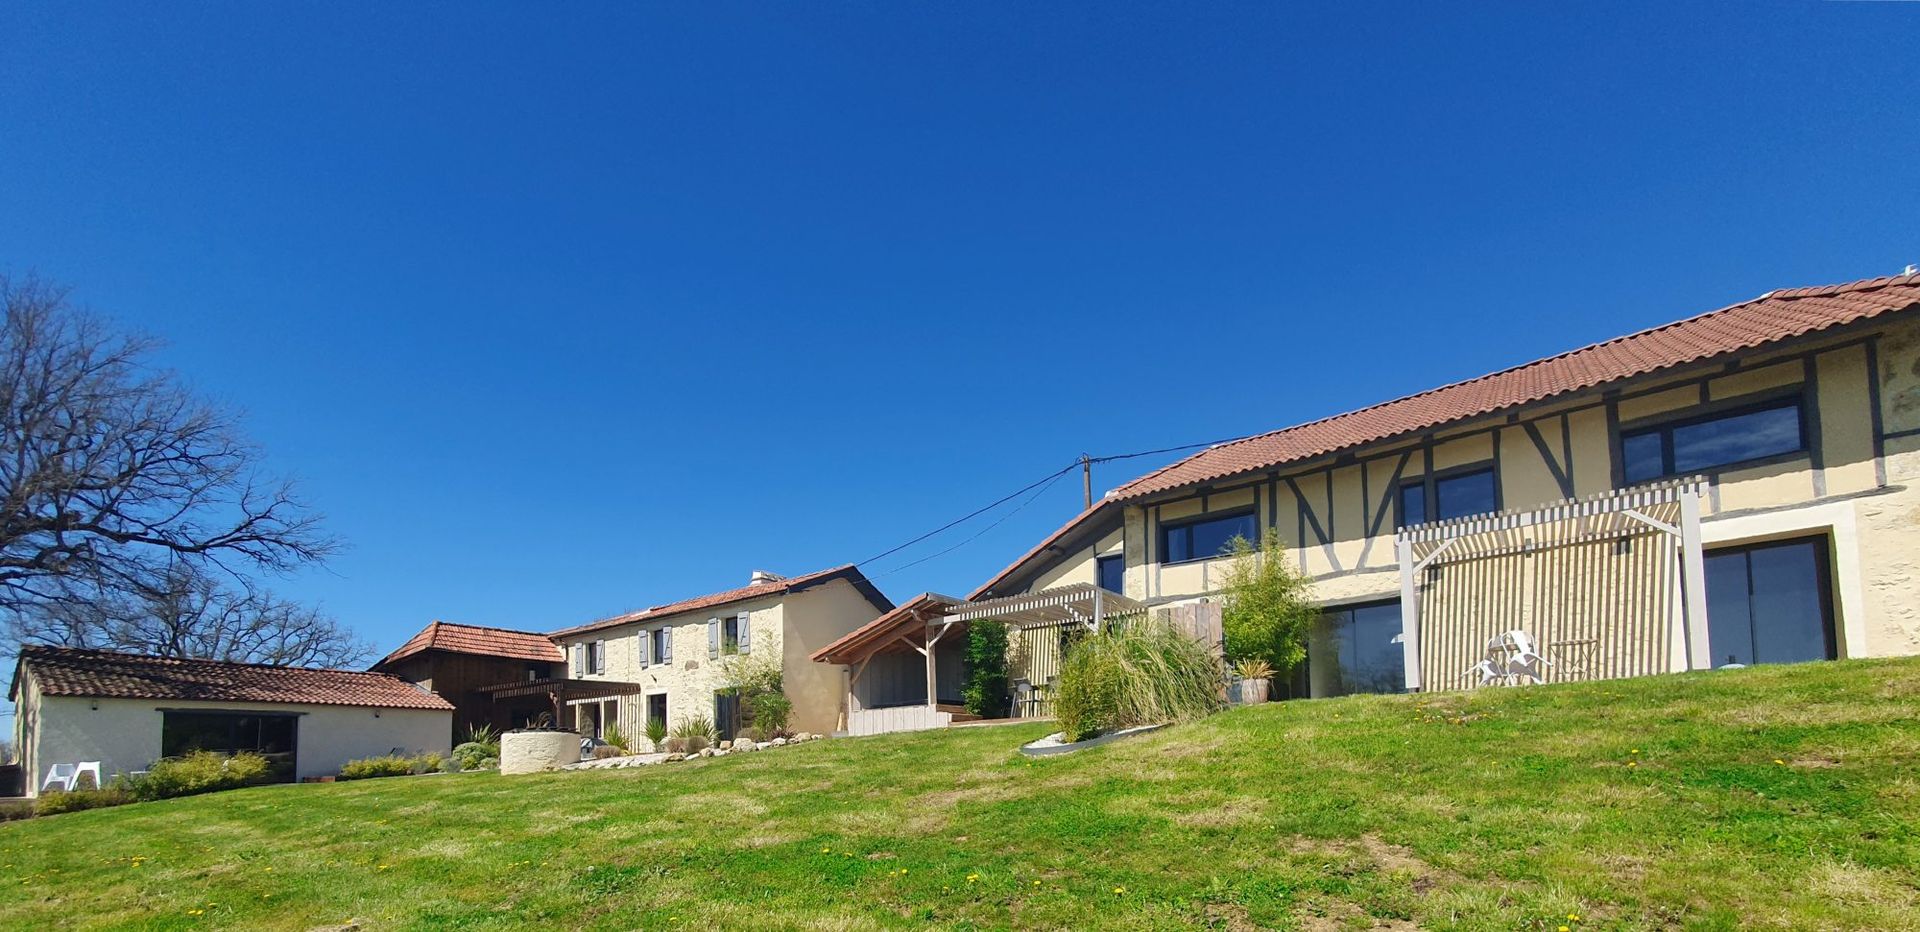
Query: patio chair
{"points": [[67, 776], [1524, 658]]}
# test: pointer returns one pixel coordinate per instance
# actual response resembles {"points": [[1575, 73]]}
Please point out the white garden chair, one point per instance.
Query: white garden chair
{"points": [[67, 776]]}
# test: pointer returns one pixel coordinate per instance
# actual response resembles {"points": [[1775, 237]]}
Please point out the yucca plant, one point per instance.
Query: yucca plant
{"points": [[657, 733], [1143, 672], [1253, 668], [613, 736]]}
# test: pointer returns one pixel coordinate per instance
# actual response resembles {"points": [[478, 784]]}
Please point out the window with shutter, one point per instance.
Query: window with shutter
{"points": [[740, 631], [579, 659], [646, 648], [713, 638], [599, 656], [666, 645]]}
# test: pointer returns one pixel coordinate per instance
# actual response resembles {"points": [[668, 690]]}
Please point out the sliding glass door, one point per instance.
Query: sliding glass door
{"points": [[1770, 603]]}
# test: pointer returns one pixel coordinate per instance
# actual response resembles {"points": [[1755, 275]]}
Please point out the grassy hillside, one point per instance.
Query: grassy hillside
{"points": [[1784, 797]]}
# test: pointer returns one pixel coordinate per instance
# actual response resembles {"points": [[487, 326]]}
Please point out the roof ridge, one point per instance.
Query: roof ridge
{"points": [[462, 624], [60, 648], [785, 582], [1870, 284]]}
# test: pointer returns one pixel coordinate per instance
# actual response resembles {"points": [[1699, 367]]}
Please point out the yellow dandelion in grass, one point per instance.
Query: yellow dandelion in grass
{"points": [[1573, 917], [1120, 890], [1634, 751], [1633, 763], [1036, 883], [973, 878], [383, 867], [1565, 929], [1780, 762]]}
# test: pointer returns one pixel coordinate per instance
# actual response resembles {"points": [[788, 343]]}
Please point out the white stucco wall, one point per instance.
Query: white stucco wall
{"points": [[124, 734]]}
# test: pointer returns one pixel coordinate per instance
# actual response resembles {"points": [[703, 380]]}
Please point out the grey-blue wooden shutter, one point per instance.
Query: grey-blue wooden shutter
{"points": [[579, 658], [599, 656], [713, 638], [740, 623], [646, 648], [666, 644]]}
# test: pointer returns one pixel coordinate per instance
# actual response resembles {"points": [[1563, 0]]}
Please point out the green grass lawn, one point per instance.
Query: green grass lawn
{"points": [[1784, 797]]}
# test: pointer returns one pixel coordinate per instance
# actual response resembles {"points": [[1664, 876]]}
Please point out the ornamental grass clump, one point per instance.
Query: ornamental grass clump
{"points": [[1141, 671]]}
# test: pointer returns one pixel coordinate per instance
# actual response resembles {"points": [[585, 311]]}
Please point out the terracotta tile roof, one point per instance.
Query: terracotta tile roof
{"points": [[477, 639], [1774, 316], [789, 584], [861, 641], [67, 671]]}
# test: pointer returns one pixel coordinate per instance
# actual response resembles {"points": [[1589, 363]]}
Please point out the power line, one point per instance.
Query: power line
{"points": [[977, 534], [1047, 481], [975, 513]]}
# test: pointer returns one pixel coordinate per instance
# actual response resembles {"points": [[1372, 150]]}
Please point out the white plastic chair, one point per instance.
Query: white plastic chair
{"points": [[67, 776]]}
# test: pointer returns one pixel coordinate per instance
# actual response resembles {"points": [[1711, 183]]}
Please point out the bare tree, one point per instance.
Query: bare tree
{"points": [[197, 615], [113, 476]]}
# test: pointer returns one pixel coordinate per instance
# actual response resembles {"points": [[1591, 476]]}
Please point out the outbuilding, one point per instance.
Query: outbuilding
{"points": [[128, 710]]}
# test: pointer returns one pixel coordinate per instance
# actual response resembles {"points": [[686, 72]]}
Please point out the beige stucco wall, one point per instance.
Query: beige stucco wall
{"points": [[124, 734], [789, 627], [1874, 523], [816, 618]]}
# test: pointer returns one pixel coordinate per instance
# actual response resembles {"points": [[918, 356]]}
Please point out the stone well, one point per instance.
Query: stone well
{"points": [[536, 751]]}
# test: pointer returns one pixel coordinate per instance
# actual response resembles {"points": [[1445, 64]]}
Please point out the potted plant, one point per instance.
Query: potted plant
{"points": [[1253, 681]]}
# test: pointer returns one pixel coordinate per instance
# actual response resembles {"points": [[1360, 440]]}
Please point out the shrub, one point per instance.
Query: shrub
{"points": [[987, 691], [675, 745], [1140, 672], [749, 734], [199, 772], [604, 751], [695, 733], [1267, 607], [614, 736], [392, 765], [657, 732], [115, 794], [472, 755], [770, 712]]}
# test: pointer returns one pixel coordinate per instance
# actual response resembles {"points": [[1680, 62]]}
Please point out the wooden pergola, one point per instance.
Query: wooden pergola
{"points": [[1620, 572], [562, 692], [921, 624]]}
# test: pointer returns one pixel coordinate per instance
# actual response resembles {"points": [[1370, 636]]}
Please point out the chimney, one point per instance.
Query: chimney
{"points": [[762, 577]]}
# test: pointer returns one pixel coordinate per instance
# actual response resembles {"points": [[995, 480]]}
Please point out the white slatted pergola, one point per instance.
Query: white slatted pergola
{"points": [[1578, 541]]}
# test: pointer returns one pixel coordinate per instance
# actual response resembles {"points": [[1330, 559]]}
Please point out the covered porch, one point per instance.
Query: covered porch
{"points": [[556, 699], [905, 669]]}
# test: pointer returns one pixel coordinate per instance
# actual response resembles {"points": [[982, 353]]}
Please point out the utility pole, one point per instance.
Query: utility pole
{"points": [[1086, 478]]}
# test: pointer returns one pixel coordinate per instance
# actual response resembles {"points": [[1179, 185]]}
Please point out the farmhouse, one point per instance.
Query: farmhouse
{"points": [[1733, 488], [668, 662], [482, 671], [126, 711]]}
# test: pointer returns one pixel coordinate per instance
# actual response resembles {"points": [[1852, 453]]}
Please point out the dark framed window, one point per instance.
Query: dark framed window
{"points": [[1770, 603], [1205, 537], [1454, 493], [1110, 573], [1746, 434], [1356, 649], [275, 736], [730, 634], [657, 641]]}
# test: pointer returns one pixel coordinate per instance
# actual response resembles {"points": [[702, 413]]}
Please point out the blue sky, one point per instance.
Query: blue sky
{"points": [[560, 311]]}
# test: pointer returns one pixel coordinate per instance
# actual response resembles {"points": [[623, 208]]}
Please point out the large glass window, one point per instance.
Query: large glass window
{"points": [[1454, 495], [1204, 537], [1469, 493], [1769, 603], [1356, 650], [267, 734], [1688, 446], [1110, 572]]}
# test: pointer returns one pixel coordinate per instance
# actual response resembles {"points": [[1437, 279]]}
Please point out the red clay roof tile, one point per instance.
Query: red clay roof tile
{"points": [[68, 671], [1771, 317], [476, 639]]}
